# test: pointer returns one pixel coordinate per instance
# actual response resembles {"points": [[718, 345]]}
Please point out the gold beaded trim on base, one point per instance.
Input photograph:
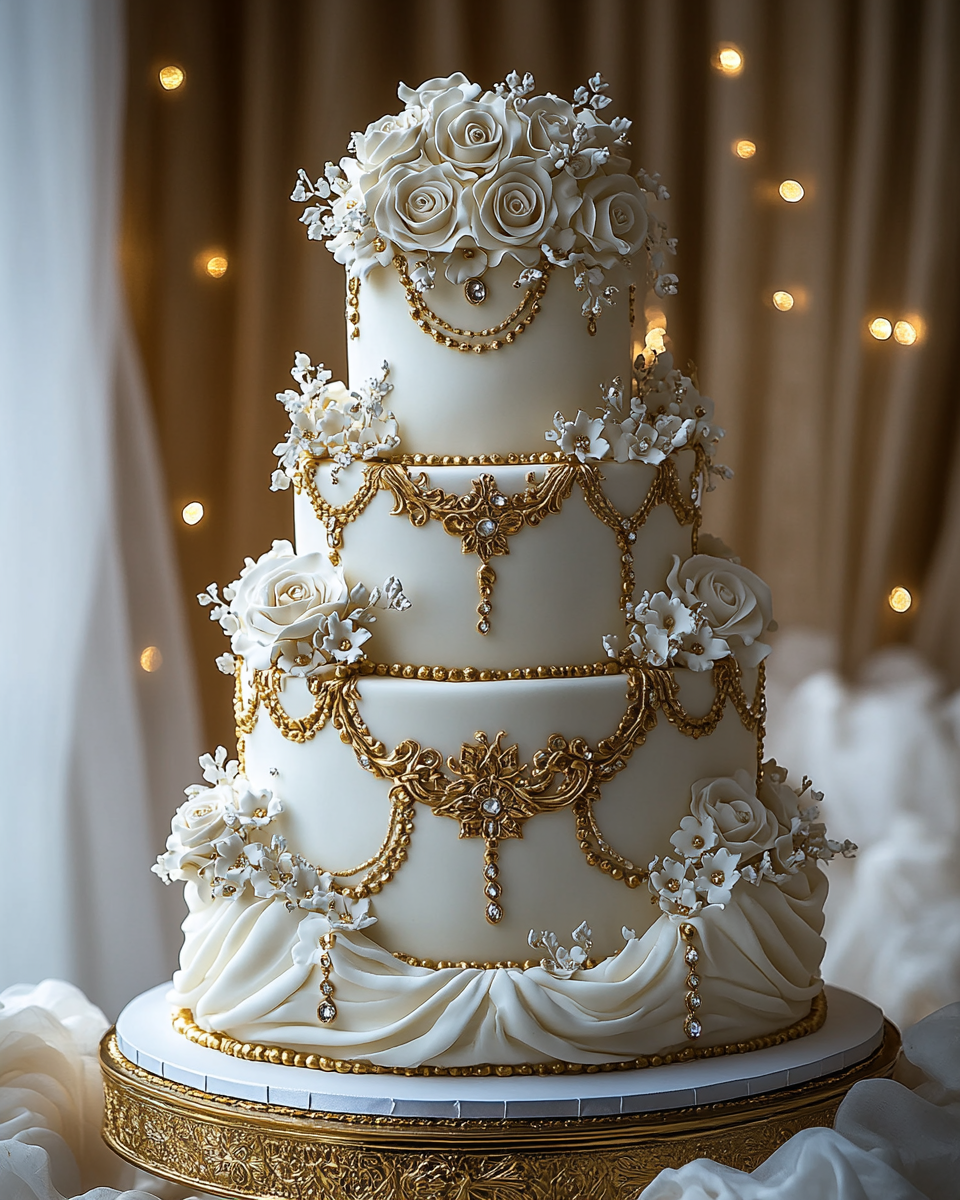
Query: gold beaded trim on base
{"points": [[184, 1024]]}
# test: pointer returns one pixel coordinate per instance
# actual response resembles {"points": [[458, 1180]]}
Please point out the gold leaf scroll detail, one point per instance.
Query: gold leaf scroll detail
{"points": [[484, 518], [418, 774]]}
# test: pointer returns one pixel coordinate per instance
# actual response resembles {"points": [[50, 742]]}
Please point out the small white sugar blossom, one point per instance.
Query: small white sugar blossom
{"points": [[581, 438], [296, 614], [660, 413], [557, 960], [329, 421], [464, 178]]}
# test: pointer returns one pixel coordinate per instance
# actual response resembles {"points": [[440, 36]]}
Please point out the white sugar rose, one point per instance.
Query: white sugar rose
{"points": [[551, 120], [197, 825], [742, 822], [612, 217], [737, 603], [432, 88], [391, 140], [517, 206], [420, 210], [474, 136], [283, 598]]}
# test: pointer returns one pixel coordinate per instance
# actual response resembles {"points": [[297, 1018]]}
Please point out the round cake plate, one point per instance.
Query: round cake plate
{"points": [[252, 1129]]}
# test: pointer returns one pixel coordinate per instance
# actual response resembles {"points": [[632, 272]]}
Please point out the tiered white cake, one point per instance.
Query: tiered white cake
{"points": [[523, 820]]}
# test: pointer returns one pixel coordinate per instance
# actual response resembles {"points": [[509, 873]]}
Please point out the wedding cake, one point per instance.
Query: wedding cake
{"points": [[511, 813]]}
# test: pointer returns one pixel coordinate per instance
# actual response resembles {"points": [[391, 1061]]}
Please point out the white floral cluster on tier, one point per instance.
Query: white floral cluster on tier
{"points": [[714, 608], [210, 843], [469, 178], [295, 613], [737, 832], [663, 413], [329, 421]]}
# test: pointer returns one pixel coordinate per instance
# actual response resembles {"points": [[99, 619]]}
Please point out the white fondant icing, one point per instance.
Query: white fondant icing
{"points": [[757, 969], [499, 402], [543, 612], [336, 813]]}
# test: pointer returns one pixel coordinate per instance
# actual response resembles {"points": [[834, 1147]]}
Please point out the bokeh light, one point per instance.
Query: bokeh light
{"points": [[899, 599], [151, 659], [791, 191], [216, 266], [906, 333], [783, 301], [729, 60], [744, 148], [172, 77], [880, 328], [192, 513]]}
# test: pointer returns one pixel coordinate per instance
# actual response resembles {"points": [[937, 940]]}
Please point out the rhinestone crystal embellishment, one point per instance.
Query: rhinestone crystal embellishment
{"points": [[475, 291], [691, 956], [692, 1028], [498, 501], [494, 913], [491, 806], [486, 527], [327, 1012]]}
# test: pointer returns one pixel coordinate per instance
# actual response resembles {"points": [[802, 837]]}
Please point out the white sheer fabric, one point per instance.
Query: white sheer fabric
{"points": [[885, 752], [89, 577]]}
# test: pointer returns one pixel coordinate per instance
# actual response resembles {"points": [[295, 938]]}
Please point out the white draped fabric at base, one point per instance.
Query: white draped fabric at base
{"points": [[885, 751], [89, 577], [893, 1140]]}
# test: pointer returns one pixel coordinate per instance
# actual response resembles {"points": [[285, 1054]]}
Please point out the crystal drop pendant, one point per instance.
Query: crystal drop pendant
{"points": [[691, 956], [475, 291], [327, 1012], [494, 913], [692, 1027]]}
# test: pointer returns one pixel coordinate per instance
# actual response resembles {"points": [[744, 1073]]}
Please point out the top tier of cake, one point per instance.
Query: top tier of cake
{"points": [[494, 244], [499, 400]]}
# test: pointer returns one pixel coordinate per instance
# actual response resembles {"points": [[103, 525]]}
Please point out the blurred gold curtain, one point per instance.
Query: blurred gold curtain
{"points": [[845, 447]]}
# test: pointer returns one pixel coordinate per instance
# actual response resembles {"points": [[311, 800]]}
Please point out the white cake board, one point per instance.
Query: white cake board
{"points": [[852, 1031]]}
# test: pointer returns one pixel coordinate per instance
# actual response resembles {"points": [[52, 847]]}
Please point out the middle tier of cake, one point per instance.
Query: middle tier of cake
{"points": [[506, 565], [484, 810]]}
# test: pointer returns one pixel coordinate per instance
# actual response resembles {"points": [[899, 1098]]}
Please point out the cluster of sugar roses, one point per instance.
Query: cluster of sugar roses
{"points": [[329, 421], [466, 179], [663, 412], [210, 843], [715, 607], [736, 831], [295, 613]]}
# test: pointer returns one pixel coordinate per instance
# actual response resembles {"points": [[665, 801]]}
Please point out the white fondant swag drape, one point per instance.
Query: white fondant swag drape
{"points": [[94, 750]]}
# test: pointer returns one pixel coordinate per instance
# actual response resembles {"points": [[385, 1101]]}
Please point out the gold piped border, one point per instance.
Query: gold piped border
{"points": [[184, 1024], [490, 674]]}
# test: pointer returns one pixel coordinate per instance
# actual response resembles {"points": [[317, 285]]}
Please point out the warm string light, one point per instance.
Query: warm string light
{"points": [[172, 77], [900, 599], [783, 301], [880, 328], [216, 266], [729, 60], [151, 659], [744, 148], [906, 333], [192, 513], [791, 191]]}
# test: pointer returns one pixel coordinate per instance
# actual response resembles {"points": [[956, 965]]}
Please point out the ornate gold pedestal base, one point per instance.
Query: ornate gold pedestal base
{"points": [[239, 1148]]}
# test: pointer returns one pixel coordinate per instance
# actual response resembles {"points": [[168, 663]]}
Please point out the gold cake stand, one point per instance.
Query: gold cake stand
{"points": [[240, 1148]]}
